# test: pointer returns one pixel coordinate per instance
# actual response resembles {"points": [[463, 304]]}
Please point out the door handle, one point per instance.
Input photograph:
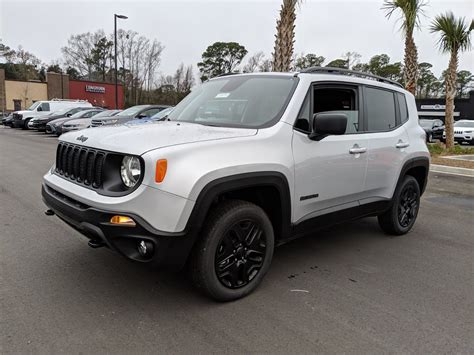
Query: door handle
{"points": [[401, 144], [357, 150]]}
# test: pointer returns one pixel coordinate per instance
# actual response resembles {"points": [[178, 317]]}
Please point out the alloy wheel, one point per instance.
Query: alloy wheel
{"points": [[240, 254]]}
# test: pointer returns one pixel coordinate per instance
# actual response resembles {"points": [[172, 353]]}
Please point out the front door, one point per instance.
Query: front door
{"points": [[329, 174]]}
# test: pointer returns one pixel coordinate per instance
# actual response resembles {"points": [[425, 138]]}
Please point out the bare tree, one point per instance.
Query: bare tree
{"points": [[254, 62]]}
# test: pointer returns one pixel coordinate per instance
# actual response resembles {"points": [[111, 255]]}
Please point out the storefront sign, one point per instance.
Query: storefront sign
{"points": [[96, 89], [433, 107]]}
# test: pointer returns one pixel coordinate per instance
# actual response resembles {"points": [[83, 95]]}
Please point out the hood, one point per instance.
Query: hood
{"points": [[79, 121], [56, 121], [23, 112], [138, 139]]}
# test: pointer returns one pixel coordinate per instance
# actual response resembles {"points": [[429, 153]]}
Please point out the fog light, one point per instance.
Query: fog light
{"points": [[123, 220], [145, 248]]}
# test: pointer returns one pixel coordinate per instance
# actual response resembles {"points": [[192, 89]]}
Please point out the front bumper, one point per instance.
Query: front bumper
{"points": [[169, 249], [40, 126], [18, 123]]}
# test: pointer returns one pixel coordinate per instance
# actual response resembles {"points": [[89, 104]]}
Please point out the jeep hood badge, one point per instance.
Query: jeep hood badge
{"points": [[82, 138]]}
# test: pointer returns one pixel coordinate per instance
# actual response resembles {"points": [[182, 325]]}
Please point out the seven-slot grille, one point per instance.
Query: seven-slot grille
{"points": [[81, 164]]}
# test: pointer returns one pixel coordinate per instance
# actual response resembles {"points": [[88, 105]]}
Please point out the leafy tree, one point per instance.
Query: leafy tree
{"points": [[99, 57], [73, 73], [307, 61], [455, 37], [54, 68], [337, 63], [410, 13], [285, 36], [20, 64], [426, 81], [221, 58], [464, 78]]}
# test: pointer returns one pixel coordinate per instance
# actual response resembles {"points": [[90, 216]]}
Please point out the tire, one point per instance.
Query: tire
{"points": [[25, 124], [239, 234], [429, 138], [399, 219]]}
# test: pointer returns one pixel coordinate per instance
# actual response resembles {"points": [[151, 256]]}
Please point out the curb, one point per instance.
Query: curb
{"points": [[451, 170]]}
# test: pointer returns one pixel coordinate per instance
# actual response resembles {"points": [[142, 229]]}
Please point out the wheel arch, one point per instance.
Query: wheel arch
{"points": [[269, 190], [418, 168]]}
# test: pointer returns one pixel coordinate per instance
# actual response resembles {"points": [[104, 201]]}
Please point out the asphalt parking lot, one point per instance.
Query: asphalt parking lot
{"points": [[347, 289]]}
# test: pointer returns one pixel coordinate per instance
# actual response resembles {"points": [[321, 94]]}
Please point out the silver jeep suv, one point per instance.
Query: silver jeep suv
{"points": [[243, 164]]}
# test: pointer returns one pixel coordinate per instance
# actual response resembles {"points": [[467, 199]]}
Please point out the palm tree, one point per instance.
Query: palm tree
{"points": [[455, 37], [410, 16], [285, 36]]}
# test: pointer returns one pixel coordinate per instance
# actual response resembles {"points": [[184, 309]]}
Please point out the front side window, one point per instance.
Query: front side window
{"points": [[45, 106], [337, 99], [237, 101], [150, 112], [380, 108]]}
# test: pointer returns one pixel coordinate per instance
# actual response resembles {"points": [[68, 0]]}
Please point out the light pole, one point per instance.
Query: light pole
{"points": [[115, 56]]}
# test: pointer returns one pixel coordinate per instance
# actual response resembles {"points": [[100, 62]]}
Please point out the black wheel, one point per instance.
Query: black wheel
{"points": [[429, 138], [401, 216], [234, 252], [25, 124]]}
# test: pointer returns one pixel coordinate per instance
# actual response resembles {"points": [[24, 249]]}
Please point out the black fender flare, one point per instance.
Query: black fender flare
{"points": [[235, 182], [423, 162]]}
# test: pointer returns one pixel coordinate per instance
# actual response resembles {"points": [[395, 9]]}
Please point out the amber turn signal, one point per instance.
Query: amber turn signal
{"points": [[123, 220], [161, 166]]}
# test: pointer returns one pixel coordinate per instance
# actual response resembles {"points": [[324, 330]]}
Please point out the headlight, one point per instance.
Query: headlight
{"points": [[111, 121], [130, 171]]}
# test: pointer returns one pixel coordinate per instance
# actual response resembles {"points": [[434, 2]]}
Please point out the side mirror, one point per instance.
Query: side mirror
{"points": [[69, 115], [328, 124], [142, 115], [39, 108]]}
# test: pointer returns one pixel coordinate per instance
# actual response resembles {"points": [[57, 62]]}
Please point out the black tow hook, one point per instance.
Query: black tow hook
{"points": [[95, 243], [49, 212]]}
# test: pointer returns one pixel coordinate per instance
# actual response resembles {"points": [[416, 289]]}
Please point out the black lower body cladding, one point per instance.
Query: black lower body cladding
{"points": [[170, 250]]}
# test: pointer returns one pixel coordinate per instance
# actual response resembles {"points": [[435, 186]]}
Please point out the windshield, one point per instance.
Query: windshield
{"points": [[162, 114], [35, 105], [79, 114], [464, 124], [132, 111], [106, 113], [237, 101], [426, 123], [62, 112]]}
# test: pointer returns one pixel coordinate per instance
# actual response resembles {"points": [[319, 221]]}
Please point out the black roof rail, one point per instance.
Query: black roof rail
{"points": [[342, 71]]}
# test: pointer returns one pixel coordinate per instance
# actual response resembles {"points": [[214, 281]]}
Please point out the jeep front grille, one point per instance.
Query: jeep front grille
{"points": [[81, 164]]}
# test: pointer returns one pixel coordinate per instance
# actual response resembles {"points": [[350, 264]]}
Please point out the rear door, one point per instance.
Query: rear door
{"points": [[385, 114]]}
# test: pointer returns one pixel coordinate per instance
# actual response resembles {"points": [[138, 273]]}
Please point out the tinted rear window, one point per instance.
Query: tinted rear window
{"points": [[380, 110]]}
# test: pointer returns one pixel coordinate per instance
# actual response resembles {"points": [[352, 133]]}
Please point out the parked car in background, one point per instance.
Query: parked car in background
{"points": [[82, 123], [160, 116], [433, 128], [39, 108], [39, 123], [55, 126], [463, 132], [8, 120], [134, 112]]}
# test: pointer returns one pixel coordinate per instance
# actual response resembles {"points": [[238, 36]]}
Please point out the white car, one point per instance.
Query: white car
{"points": [[463, 131], [40, 108], [244, 163], [82, 123]]}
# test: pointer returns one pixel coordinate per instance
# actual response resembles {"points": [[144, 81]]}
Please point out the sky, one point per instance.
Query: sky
{"points": [[186, 27]]}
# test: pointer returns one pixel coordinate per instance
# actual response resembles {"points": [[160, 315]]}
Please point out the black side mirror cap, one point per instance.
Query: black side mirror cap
{"points": [[328, 124]]}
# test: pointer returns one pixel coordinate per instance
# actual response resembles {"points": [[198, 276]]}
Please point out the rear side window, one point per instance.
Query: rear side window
{"points": [[402, 104], [380, 108]]}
